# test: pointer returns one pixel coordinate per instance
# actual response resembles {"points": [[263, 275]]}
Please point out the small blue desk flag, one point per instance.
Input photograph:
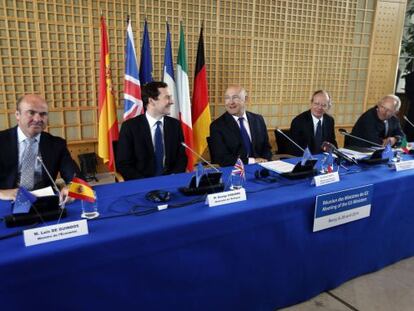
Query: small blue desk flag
{"points": [[23, 202], [307, 155], [388, 153], [199, 172]]}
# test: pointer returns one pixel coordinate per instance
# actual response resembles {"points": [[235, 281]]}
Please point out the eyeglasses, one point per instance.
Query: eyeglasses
{"points": [[388, 110], [321, 105], [233, 98]]}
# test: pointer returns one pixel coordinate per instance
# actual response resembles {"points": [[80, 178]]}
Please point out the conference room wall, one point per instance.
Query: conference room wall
{"points": [[280, 50]]}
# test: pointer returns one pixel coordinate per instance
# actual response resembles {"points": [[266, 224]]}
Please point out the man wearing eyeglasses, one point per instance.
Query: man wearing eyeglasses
{"points": [[238, 133], [23, 145], [378, 124], [314, 126]]}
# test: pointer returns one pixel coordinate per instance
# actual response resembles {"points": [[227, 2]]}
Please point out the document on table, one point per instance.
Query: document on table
{"points": [[357, 155], [43, 192], [278, 166]]}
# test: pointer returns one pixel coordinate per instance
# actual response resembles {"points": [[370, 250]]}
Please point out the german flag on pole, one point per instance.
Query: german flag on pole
{"points": [[107, 119], [80, 189], [200, 107]]}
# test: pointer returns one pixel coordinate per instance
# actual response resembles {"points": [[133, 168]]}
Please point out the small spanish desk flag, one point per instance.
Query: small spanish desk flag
{"points": [[80, 189]]}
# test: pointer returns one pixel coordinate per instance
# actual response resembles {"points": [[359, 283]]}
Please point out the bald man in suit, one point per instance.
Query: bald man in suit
{"points": [[32, 116], [314, 126], [238, 133]]}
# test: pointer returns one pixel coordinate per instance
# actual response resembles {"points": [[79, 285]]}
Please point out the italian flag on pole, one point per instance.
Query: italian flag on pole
{"points": [[183, 95]]}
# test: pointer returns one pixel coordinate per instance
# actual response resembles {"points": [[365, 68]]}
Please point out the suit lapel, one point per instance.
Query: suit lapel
{"points": [[253, 130], [167, 139], [147, 135], [13, 155], [310, 129], [44, 154], [233, 126]]}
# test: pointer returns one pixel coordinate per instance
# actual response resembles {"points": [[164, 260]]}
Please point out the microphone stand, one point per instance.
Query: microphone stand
{"points": [[199, 156], [345, 133], [61, 204], [290, 139], [408, 121]]}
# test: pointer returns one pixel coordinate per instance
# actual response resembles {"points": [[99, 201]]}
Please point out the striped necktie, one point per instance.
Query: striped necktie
{"points": [[28, 164]]}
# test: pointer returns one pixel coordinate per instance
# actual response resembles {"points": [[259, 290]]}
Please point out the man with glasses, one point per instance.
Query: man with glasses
{"points": [[238, 133], [378, 124], [24, 144], [314, 126], [150, 144]]}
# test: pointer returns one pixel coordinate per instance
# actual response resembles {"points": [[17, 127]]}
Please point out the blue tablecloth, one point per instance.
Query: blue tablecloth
{"points": [[259, 254]]}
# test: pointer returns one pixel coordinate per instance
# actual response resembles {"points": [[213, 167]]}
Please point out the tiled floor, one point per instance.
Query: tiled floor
{"points": [[390, 289]]}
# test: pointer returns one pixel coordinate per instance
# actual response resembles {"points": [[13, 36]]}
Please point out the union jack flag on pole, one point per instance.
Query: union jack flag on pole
{"points": [[132, 86], [238, 169]]}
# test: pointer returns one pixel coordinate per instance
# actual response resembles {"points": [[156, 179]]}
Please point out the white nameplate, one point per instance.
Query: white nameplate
{"points": [[52, 233], [326, 179], [226, 197], [404, 165]]}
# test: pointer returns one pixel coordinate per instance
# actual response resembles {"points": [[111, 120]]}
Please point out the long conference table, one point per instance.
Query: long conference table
{"points": [[259, 254]]}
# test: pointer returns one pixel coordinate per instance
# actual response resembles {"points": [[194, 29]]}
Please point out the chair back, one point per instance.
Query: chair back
{"points": [[283, 144]]}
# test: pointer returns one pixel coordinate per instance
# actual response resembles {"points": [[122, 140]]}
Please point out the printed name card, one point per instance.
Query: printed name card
{"points": [[404, 165], [326, 179], [57, 232], [337, 208], [226, 197]]}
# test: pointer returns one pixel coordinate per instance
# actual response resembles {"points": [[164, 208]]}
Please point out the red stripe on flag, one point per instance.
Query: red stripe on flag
{"points": [[200, 95], [188, 139], [132, 89]]}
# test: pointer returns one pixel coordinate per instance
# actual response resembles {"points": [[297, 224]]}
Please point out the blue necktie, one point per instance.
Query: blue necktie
{"points": [[245, 137], [318, 138], [159, 150]]}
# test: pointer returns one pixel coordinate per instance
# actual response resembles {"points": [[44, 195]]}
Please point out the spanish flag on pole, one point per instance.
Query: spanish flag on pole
{"points": [[200, 107], [107, 119], [80, 189]]}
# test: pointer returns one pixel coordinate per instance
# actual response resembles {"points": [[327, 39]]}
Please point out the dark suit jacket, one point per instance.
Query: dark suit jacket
{"points": [[55, 156], [226, 143], [135, 155], [370, 127], [302, 132]]}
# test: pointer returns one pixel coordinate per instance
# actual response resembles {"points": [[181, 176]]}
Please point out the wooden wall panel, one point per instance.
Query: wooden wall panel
{"points": [[281, 51]]}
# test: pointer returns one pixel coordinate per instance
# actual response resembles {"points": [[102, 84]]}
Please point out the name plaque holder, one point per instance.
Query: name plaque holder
{"points": [[226, 197], [55, 232]]}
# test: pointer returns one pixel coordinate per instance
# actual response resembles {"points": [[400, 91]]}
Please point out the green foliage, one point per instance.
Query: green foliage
{"points": [[407, 44]]}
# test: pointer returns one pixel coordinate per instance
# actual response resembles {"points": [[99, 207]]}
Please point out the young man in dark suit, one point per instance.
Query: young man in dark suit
{"points": [[150, 144], [314, 126], [23, 144], [238, 133]]}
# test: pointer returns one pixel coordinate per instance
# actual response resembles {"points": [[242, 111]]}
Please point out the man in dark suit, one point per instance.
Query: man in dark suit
{"points": [[378, 124], [314, 126], [150, 144], [238, 133], [24, 143]]}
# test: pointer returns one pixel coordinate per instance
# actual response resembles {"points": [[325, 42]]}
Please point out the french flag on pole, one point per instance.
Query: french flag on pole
{"points": [[132, 87], [168, 75]]}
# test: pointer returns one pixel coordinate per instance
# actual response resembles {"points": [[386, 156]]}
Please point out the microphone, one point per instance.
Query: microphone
{"points": [[408, 121], [199, 156], [328, 147], [39, 158], [290, 139], [345, 133]]}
